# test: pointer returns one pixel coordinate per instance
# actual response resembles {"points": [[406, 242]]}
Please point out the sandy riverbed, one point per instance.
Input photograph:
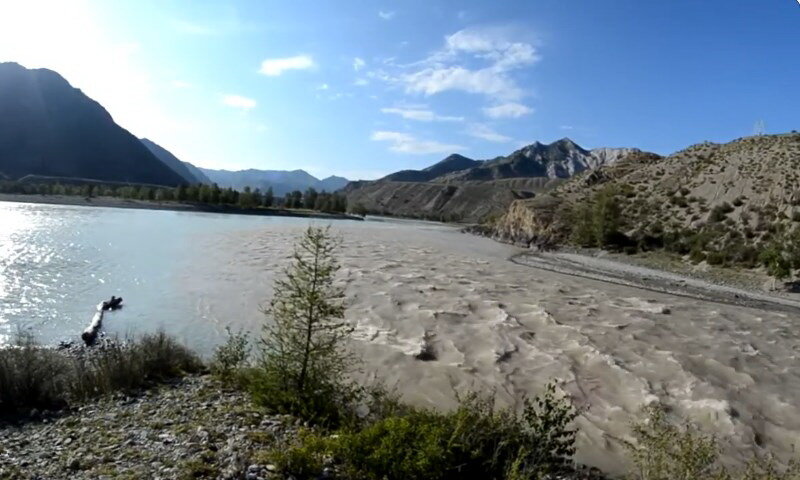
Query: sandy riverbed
{"points": [[497, 325]]}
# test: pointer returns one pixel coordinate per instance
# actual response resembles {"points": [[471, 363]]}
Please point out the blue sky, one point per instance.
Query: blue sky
{"points": [[363, 88]]}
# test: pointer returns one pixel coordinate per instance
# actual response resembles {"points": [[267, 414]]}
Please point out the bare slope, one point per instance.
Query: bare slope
{"points": [[457, 201], [724, 203]]}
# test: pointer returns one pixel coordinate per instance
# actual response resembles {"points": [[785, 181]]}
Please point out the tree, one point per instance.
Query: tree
{"points": [[304, 358], [310, 198], [269, 198], [607, 215], [180, 194], [776, 261]]}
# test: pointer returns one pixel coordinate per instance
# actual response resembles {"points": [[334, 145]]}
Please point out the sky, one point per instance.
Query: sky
{"points": [[365, 88]]}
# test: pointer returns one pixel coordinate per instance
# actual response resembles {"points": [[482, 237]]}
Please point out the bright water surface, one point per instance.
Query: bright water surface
{"points": [[58, 262]]}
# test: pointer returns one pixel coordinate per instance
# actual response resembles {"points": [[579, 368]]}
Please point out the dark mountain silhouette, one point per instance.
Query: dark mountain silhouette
{"points": [[197, 173], [170, 160], [47, 127]]}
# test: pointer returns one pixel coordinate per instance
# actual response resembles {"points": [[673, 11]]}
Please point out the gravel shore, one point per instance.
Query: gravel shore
{"points": [[193, 428]]}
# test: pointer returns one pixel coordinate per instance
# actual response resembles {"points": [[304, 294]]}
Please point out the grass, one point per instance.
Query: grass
{"points": [[33, 377]]}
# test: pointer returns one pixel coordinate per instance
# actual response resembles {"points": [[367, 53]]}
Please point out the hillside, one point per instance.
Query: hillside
{"points": [[281, 181], [197, 173], [461, 189], [50, 128], [721, 203], [453, 163], [171, 161], [461, 202]]}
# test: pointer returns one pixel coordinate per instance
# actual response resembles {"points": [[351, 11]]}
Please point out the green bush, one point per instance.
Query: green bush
{"points": [[32, 376], [666, 451], [231, 356], [152, 359], [720, 212], [475, 441]]}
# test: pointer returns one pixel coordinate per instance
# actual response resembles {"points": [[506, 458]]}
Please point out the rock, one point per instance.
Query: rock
{"points": [[73, 464]]}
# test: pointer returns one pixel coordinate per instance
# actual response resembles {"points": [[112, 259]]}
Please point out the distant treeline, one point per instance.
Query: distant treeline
{"points": [[311, 199]]}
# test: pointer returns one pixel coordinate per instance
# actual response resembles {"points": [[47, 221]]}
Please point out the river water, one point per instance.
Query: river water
{"points": [[57, 262], [487, 324]]}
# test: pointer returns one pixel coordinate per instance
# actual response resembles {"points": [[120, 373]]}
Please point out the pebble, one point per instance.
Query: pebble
{"points": [[156, 434]]}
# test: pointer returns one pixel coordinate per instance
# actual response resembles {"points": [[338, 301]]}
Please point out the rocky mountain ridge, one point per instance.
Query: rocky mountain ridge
{"points": [[462, 189]]}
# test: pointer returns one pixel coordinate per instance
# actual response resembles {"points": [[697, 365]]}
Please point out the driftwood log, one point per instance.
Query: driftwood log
{"points": [[90, 334]]}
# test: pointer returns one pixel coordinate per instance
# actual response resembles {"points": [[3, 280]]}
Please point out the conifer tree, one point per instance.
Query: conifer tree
{"points": [[304, 356]]}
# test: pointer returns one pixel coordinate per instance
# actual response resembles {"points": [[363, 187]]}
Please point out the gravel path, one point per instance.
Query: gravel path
{"points": [[611, 271]]}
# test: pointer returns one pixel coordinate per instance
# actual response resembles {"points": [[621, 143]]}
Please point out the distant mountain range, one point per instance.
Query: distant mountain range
{"points": [[47, 127], [50, 129], [460, 188], [281, 182]]}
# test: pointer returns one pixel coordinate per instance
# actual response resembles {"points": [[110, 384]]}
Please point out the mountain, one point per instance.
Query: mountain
{"points": [[170, 160], [197, 173], [720, 203], [281, 182], [332, 183], [47, 127], [561, 159], [453, 163], [462, 189]]}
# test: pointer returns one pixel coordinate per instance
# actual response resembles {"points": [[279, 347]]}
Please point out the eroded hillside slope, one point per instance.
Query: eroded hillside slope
{"points": [[722, 203]]}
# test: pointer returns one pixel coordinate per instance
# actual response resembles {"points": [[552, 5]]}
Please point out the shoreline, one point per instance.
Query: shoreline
{"points": [[114, 202], [613, 271]]}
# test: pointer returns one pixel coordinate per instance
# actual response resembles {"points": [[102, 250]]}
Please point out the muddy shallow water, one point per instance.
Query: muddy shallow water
{"points": [[488, 323]]}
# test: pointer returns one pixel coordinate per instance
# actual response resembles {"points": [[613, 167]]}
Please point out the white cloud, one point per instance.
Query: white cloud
{"points": [[388, 15], [566, 127], [358, 63], [420, 114], [273, 67], [405, 143], [181, 84], [361, 82], [431, 81], [453, 66], [481, 131], [323, 86], [192, 28], [238, 101], [507, 110]]}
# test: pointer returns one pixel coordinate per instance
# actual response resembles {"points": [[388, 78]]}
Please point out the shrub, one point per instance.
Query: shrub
{"points": [[31, 377], [720, 212], [476, 441], [230, 357], [152, 359], [664, 451]]}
